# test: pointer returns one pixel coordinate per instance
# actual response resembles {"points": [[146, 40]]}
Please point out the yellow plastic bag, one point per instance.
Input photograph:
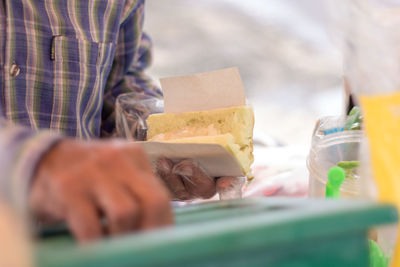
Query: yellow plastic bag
{"points": [[382, 127]]}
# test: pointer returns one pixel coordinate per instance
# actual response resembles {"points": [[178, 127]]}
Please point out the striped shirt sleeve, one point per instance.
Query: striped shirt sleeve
{"points": [[21, 149], [132, 57]]}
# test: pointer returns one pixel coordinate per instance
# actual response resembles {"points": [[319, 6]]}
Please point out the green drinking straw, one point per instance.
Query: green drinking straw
{"points": [[336, 176]]}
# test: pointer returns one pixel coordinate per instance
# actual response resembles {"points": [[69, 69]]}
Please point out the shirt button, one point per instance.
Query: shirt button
{"points": [[14, 70]]}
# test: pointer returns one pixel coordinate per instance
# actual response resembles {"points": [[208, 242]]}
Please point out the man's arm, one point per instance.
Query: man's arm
{"points": [[132, 57], [50, 178], [21, 148]]}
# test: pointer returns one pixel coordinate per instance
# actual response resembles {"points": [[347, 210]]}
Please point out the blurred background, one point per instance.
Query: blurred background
{"points": [[290, 68]]}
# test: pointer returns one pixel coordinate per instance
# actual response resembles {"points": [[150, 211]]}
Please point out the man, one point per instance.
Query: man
{"points": [[63, 63]]}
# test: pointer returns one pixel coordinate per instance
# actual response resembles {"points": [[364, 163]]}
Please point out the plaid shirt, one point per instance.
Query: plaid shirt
{"points": [[63, 63]]}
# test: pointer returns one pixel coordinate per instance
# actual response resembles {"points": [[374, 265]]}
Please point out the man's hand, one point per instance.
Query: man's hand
{"points": [[79, 182], [186, 180]]}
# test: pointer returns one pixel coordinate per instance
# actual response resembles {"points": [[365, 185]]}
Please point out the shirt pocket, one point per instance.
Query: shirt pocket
{"points": [[81, 69], [68, 49]]}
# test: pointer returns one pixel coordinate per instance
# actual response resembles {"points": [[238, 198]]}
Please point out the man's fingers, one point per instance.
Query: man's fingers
{"points": [[173, 181], [230, 187], [155, 204], [118, 205], [196, 181], [137, 156], [44, 211], [83, 219], [152, 196]]}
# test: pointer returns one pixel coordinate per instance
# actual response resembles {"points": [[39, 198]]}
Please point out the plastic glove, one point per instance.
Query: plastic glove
{"points": [[186, 180]]}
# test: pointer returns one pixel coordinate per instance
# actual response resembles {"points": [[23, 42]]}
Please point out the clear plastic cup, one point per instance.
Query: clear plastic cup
{"points": [[326, 152]]}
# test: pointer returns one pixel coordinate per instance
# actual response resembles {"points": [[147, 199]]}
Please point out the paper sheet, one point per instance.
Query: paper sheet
{"points": [[204, 91]]}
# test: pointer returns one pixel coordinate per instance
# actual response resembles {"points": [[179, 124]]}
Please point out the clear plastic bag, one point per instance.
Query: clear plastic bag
{"points": [[132, 111], [367, 32]]}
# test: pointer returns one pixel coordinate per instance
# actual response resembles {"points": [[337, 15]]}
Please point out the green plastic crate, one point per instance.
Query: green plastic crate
{"points": [[252, 232]]}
